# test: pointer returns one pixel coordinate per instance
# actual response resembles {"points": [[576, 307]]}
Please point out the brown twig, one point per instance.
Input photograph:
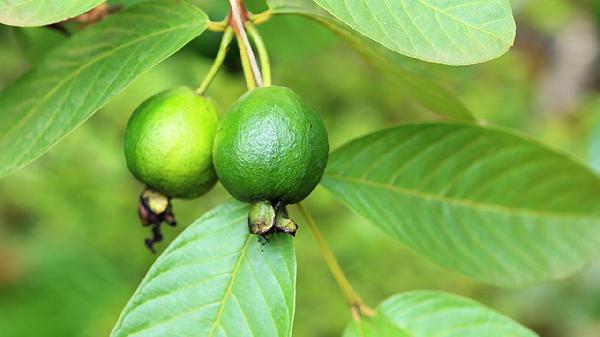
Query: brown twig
{"points": [[59, 27], [86, 19], [94, 15]]}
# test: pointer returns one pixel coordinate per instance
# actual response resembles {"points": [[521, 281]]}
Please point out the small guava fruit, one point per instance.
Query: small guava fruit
{"points": [[168, 147], [270, 146], [169, 140]]}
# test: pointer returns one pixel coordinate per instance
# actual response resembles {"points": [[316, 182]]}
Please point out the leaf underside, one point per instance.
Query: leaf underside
{"points": [[427, 93], [42, 12], [454, 32], [492, 205]]}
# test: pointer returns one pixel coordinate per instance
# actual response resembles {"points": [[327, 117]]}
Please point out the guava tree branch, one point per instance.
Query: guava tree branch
{"points": [[237, 17]]}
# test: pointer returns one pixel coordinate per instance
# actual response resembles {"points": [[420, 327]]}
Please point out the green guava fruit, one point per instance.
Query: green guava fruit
{"points": [[270, 146], [169, 140]]}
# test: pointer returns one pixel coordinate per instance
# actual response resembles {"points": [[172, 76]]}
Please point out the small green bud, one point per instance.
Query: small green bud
{"points": [[261, 217]]}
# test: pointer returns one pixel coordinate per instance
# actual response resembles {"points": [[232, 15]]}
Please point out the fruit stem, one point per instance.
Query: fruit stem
{"points": [[357, 307], [214, 69], [265, 65], [250, 83], [237, 17]]}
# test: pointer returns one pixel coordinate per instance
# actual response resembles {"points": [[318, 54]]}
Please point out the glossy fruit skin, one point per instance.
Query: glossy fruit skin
{"points": [[271, 146], [168, 143]]}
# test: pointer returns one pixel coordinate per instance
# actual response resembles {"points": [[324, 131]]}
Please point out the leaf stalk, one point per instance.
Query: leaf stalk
{"points": [[218, 26], [262, 17], [355, 303]]}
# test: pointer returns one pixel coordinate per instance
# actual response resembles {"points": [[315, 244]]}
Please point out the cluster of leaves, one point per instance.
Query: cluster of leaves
{"points": [[483, 201]]}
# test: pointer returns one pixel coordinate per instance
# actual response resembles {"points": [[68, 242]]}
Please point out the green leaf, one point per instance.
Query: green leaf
{"points": [[455, 32], [215, 279], [378, 326], [304, 7], [487, 203], [84, 73], [42, 12], [434, 314], [35, 43], [426, 93]]}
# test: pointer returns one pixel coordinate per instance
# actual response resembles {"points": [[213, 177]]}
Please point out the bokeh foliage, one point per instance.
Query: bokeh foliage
{"points": [[71, 250]]}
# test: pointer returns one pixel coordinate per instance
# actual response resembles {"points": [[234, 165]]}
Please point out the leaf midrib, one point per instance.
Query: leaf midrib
{"points": [[452, 17], [496, 208], [229, 288], [435, 10]]}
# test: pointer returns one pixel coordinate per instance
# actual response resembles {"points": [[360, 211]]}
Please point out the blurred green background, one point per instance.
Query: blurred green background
{"points": [[71, 246]]}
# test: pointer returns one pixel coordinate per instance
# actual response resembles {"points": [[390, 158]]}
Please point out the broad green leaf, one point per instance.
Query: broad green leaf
{"points": [[455, 32], [215, 279], [42, 12], [434, 314], [81, 75], [378, 326], [487, 203], [426, 93], [35, 43]]}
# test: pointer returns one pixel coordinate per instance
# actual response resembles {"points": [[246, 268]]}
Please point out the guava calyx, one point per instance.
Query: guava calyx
{"points": [[284, 224], [265, 218], [261, 217], [154, 208]]}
